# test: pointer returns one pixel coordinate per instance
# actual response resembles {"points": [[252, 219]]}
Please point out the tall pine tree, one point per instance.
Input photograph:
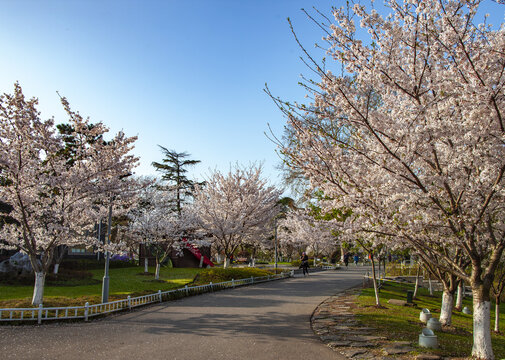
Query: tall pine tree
{"points": [[174, 168]]}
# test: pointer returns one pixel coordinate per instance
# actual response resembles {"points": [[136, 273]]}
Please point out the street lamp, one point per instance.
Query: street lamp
{"points": [[275, 244], [105, 282]]}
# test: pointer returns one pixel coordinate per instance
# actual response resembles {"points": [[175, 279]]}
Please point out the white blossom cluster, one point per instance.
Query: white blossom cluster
{"points": [[235, 207], [300, 231]]}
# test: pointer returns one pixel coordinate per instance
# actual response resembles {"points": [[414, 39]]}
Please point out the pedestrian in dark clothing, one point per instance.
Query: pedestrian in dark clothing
{"points": [[346, 259], [304, 265]]}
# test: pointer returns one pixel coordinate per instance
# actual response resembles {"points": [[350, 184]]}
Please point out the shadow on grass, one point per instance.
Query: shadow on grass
{"points": [[402, 322]]}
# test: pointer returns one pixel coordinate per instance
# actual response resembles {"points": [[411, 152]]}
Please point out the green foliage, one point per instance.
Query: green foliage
{"points": [[173, 167], [92, 264], [296, 263], [65, 277], [68, 134], [216, 274]]}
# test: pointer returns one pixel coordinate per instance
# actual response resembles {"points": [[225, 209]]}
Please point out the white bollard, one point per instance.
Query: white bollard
{"points": [[86, 311], [39, 317], [428, 339], [425, 315]]}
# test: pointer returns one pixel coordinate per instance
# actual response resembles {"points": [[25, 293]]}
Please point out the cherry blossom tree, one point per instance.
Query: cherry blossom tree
{"points": [[291, 232], [259, 241], [235, 207], [301, 231], [411, 135], [55, 202], [159, 225]]}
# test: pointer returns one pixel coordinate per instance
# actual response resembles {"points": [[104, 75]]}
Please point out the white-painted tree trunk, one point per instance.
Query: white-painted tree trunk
{"points": [[146, 265], [226, 263], [446, 308], [482, 348], [254, 262], [38, 289], [157, 273], [430, 286], [376, 289], [416, 287], [460, 296], [201, 261], [497, 316], [56, 268]]}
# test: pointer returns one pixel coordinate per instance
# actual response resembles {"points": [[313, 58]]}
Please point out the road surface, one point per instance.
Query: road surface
{"points": [[264, 321]]}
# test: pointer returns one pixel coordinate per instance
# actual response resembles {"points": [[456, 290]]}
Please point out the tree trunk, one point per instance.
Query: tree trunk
{"points": [[482, 348], [38, 289], [446, 309], [157, 273], [497, 315], [59, 255], [342, 253], [460, 296], [226, 262], [374, 278], [430, 285], [416, 287], [146, 265]]}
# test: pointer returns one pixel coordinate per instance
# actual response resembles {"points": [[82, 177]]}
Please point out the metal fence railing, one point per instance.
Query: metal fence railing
{"points": [[87, 311], [314, 269]]}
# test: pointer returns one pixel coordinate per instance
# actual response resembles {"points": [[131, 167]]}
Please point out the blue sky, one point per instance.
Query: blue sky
{"points": [[187, 74]]}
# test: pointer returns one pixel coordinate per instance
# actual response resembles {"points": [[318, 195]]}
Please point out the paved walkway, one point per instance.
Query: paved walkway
{"points": [[265, 321]]}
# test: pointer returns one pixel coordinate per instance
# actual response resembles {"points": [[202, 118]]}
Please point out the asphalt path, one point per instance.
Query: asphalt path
{"points": [[265, 321]]}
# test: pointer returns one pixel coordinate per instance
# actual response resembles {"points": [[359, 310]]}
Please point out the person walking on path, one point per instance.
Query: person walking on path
{"points": [[304, 264], [356, 259], [346, 259]]}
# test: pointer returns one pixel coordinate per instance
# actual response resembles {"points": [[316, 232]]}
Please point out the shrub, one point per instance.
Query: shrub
{"points": [[65, 277], [216, 275], [92, 264]]}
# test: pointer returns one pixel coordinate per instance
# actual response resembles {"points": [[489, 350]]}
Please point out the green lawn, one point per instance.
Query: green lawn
{"points": [[216, 275], [123, 281], [402, 322]]}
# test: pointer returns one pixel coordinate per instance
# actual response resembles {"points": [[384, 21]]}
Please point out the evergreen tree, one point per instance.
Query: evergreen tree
{"points": [[174, 168]]}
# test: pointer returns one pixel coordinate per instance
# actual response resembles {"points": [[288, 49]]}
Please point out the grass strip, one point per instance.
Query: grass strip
{"points": [[401, 323]]}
